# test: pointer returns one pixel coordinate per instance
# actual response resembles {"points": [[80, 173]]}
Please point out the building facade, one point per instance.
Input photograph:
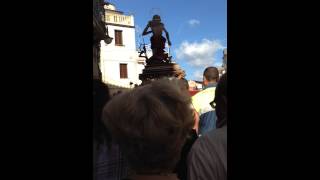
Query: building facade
{"points": [[99, 33], [224, 63], [120, 61], [223, 68]]}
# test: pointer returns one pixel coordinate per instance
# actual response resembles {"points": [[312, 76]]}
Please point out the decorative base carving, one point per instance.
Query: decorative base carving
{"points": [[159, 70]]}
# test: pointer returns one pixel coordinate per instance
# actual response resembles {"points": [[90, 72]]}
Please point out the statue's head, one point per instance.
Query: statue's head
{"points": [[156, 18]]}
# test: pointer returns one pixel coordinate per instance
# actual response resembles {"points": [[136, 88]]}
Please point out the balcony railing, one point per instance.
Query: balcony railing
{"points": [[119, 19]]}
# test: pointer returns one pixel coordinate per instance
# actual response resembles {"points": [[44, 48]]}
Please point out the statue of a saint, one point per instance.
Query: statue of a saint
{"points": [[157, 40]]}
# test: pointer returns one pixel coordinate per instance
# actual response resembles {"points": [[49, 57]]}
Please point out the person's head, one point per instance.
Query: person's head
{"points": [[185, 83], [182, 84], [100, 98], [221, 101], [151, 124], [156, 18], [210, 75]]}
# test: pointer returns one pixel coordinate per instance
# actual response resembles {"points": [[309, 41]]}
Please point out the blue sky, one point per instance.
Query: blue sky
{"points": [[197, 29]]}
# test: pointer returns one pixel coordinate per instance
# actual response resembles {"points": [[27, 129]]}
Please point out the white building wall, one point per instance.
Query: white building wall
{"points": [[140, 67], [128, 36], [112, 56]]}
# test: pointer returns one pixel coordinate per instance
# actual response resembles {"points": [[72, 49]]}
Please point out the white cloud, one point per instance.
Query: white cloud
{"points": [[193, 22], [199, 54], [218, 64], [197, 75]]}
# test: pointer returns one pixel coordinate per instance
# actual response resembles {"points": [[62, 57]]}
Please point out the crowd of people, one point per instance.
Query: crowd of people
{"points": [[158, 131]]}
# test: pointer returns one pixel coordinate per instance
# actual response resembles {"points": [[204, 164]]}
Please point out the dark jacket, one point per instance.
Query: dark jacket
{"points": [[181, 168], [208, 156]]}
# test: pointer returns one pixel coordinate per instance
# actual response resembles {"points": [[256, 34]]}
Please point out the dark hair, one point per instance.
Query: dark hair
{"points": [[151, 124], [156, 18], [211, 73], [100, 98], [221, 101]]}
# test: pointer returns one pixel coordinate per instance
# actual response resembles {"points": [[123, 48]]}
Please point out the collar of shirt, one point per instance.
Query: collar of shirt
{"points": [[210, 85]]}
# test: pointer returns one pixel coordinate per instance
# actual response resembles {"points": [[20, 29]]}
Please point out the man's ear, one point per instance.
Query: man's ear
{"points": [[205, 82]]}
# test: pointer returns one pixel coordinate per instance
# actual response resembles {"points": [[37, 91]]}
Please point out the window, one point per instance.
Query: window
{"points": [[118, 37], [123, 71]]}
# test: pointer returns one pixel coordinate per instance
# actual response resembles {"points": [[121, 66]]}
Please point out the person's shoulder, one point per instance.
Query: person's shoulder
{"points": [[206, 144], [198, 152], [204, 94], [212, 135], [216, 137], [210, 89], [199, 144], [199, 94], [208, 152], [215, 133]]}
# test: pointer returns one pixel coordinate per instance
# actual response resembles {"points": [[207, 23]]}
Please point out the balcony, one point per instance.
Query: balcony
{"points": [[120, 19]]}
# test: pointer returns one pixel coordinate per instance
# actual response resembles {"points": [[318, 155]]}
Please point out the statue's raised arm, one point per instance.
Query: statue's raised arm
{"points": [[145, 31]]}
